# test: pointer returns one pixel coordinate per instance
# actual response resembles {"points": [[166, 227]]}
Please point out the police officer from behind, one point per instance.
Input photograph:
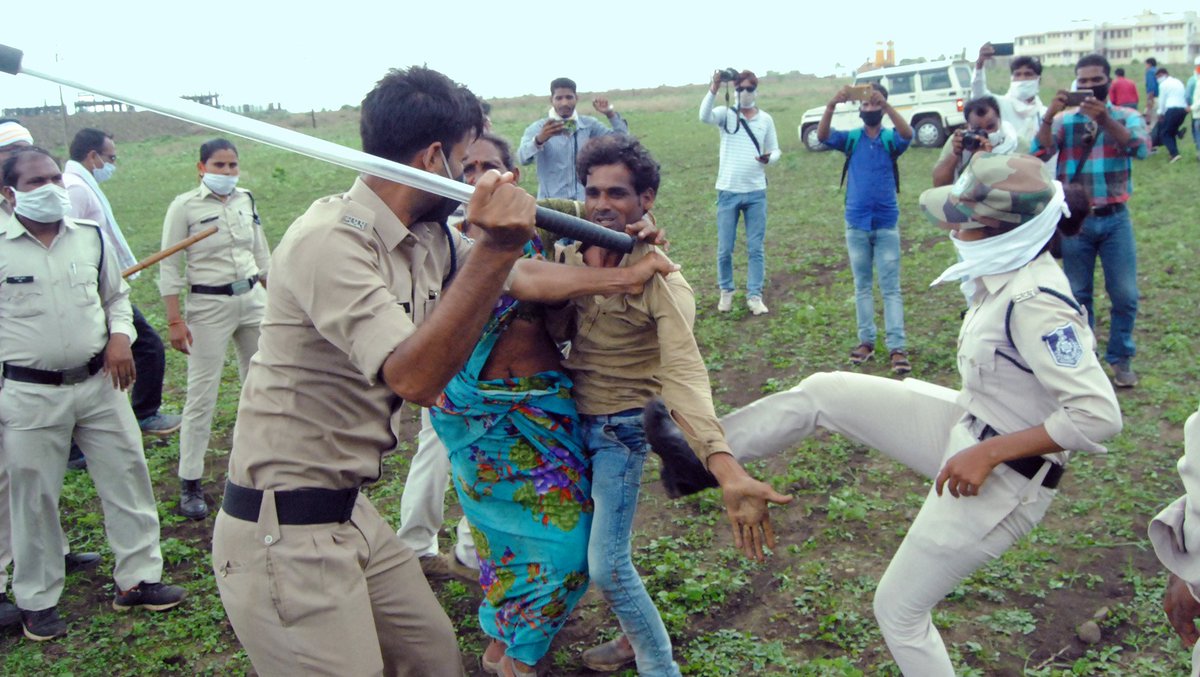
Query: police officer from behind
{"points": [[313, 579], [65, 332]]}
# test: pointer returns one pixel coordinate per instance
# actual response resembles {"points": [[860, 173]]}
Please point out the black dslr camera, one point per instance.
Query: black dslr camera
{"points": [[729, 75], [972, 140]]}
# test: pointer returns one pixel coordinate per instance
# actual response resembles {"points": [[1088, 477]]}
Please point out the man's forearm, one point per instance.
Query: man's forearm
{"points": [[943, 171], [823, 125], [1117, 131], [898, 121], [546, 282], [1045, 139], [421, 366]]}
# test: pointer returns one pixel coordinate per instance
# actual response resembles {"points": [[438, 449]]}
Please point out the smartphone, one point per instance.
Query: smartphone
{"points": [[860, 92], [1002, 48], [1076, 98]]}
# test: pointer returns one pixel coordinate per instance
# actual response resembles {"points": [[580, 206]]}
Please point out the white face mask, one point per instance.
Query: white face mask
{"points": [[221, 184], [747, 99], [48, 204], [1024, 90], [104, 173]]}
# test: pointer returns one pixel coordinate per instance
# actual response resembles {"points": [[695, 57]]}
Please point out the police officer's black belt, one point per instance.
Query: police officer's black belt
{"points": [[1108, 210], [1029, 466], [298, 506], [232, 289], [46, 377]]}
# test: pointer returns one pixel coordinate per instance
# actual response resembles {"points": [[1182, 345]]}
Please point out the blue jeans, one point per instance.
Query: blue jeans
{"points": [[1196, 133], [753, 207], [618, 448], [878, 251], [1112, 238]]}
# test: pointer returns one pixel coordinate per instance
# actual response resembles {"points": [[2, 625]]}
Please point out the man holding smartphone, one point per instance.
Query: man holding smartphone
{"points": [[1021, 106], [748, 145], [1095, 142], [554, 141]]}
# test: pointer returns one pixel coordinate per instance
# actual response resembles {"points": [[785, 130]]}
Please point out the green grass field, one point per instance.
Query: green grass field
{"points": [[807, 611]]}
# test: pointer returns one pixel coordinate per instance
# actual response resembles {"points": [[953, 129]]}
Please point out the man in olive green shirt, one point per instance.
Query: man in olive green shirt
{"points": [[626, 349]]}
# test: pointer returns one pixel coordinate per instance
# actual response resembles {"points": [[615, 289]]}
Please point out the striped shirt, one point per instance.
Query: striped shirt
{"points": [[1107, 174], [740, 171]]}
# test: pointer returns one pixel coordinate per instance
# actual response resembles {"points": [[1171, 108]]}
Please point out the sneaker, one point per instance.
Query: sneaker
{"points": [[160, 425], [756, 305], [1174, 159], [80, 561], [900, 364], [152, 596], [1123, 375], [9, 613], [862, 352], [609, 656], [43, 625], [726, 303], [446, 567], [191, 500], [683, 474], [76, 460]]}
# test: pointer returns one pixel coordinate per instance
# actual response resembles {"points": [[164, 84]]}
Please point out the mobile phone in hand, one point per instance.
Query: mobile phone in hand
{"points": [[1078, 97], [1002, 49]]}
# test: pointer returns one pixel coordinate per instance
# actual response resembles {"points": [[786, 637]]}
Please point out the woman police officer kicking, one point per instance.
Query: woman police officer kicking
{"points": [[1032, 389]]}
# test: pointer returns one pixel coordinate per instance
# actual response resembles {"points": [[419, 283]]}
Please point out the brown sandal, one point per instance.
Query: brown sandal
{"points": [[900, 364], [862, 352]]}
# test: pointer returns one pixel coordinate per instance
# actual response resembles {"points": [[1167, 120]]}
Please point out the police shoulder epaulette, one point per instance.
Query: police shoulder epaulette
{"points": [[351, 215], [1025, 295], [86, 222]]}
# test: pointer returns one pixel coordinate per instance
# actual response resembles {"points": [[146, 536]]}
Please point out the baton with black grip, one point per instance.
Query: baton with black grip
{"points": [[11, 61]]}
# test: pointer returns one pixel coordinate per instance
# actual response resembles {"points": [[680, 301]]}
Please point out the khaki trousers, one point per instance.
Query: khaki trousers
{"points": [[213, 321], [423, 503], [330, 599], [5, 522], [39, 421], [920, 425]]}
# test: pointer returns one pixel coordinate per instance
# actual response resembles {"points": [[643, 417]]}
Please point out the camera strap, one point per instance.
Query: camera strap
{"points": [[1089, 142], [742, 123]]}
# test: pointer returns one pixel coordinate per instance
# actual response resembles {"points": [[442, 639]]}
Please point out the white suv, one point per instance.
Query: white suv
{"points": [[931, 95]]}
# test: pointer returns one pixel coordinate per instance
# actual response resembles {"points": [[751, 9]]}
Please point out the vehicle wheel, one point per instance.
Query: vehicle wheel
{"points": [[928, 132], [809, 136]]}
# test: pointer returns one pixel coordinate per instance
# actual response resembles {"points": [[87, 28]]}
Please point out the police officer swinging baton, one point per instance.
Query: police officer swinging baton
{"points": [[255, 130]]}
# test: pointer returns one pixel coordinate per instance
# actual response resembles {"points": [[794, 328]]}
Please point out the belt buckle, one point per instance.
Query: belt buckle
{"points": [[75, 376], [241, 287]]}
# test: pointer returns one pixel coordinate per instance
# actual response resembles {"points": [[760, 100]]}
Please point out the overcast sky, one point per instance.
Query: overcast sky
{"points": [[259, 52]]}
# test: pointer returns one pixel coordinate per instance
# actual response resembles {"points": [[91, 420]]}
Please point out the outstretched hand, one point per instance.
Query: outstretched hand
{"points": [[653, 263], [746, 502]]}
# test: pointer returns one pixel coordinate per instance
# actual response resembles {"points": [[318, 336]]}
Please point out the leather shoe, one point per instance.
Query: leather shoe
{"points": [[43, 625], [683, 473], [191, 500], [9, 613], [79, 561]]}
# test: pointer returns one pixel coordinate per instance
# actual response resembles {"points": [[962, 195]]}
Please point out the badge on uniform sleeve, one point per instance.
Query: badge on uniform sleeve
{"points": [[1064, 346], [355, 221]]}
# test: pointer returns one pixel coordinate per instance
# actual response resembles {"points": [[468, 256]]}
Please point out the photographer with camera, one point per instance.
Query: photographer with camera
{"points": [[985, 131], [872, 214], [1020, 106], [554, 141], [748, 145]]}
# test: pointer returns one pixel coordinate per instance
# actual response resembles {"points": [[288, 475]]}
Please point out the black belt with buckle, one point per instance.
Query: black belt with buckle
{"points": [[1108, 210], [46, 377], [297, 506], [1029, 466], [232, 289]]}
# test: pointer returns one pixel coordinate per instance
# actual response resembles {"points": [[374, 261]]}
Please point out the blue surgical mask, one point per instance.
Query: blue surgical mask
{"points": [[221, 184], [104, 172]]}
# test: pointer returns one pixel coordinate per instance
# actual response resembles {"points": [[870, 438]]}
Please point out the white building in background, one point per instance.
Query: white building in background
{"points": [[1170, 38]]}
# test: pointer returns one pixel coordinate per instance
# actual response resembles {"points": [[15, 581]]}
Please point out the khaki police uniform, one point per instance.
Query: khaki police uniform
{"points": [[58, 305], [1048, 374], [316, 582], [224, 300]]}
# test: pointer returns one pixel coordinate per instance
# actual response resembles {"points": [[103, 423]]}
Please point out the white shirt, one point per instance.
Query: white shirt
{"points": [[740, 171], [1171, 94]]}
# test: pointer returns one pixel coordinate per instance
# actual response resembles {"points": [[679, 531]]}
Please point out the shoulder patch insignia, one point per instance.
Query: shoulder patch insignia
{"points": [[355, 221], [1064, 346]]}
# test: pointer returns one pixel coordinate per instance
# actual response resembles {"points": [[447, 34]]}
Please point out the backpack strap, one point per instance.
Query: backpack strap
{"points": [[851, 141], [889, 144]]}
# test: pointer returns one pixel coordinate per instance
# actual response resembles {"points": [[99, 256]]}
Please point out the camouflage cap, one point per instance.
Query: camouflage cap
{"points": [[994, 190]]}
